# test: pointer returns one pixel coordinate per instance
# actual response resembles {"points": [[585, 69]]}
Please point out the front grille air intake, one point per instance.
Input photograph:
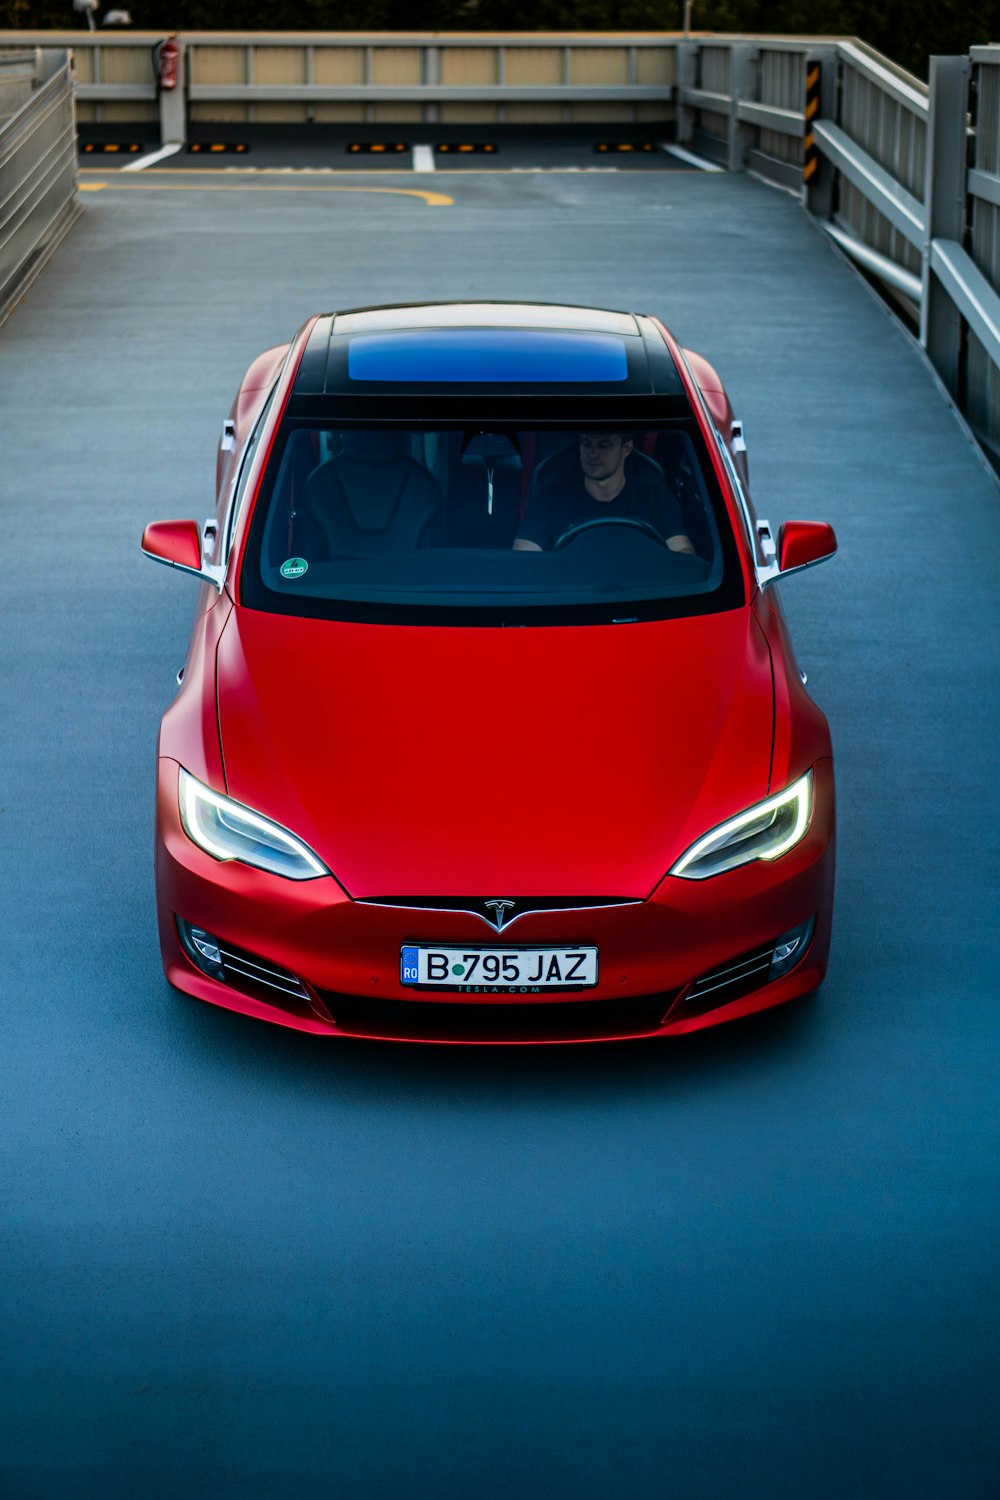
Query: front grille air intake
{"points": [[456, 1021]]}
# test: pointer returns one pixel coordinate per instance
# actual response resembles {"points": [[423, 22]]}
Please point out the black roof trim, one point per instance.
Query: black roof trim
{"points": [[311, 376], [323, 367], [534, 410]]}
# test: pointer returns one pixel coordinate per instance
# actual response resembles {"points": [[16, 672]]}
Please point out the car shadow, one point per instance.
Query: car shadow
{"points": [[425, 1072]]}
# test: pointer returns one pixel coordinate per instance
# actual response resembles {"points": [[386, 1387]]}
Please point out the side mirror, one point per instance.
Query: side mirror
{"points": [[802, 544], [178, 544]]}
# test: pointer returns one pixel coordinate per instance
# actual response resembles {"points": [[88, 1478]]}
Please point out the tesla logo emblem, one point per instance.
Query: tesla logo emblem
{"points": [[499, 910]]}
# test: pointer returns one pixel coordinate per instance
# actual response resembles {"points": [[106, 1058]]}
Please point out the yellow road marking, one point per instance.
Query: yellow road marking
{"points": [[150, 184], [91, 187]]}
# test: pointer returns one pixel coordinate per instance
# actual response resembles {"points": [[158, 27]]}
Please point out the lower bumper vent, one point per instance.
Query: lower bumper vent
{"points": [[244, 971], [456, 1021], [738, 977]]}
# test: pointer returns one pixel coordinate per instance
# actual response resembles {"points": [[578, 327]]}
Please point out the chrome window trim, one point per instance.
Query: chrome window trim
{"points": [[233, 501], [763, 574], [242, 472]]}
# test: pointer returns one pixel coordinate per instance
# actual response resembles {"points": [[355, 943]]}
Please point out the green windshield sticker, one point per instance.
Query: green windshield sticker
{"points": [[294, 567]]}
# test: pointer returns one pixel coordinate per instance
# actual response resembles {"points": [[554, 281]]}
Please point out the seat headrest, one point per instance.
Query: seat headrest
{"points": [[374, 447]]}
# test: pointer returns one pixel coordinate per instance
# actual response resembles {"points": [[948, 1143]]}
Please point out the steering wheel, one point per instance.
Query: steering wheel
{"points": [[572, 532]]}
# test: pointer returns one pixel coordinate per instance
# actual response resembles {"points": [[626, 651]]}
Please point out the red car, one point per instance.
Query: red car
{"points": [[490, 729]]}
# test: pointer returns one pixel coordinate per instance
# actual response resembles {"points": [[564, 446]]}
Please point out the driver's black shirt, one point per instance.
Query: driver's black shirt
{"points": [[565, 504]]}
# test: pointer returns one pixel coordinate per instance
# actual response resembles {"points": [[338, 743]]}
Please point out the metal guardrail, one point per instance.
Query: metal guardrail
{"points": [[878, 157], [982, 354], [17, 80], [38, 198], [890, 184], [397, 78]]}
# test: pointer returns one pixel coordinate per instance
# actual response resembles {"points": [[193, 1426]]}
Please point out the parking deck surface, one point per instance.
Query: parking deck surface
{"points": [[245, 1263]]}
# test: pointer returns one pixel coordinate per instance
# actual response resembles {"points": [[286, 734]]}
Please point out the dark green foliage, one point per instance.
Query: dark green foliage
{"points": [[908, 33]]}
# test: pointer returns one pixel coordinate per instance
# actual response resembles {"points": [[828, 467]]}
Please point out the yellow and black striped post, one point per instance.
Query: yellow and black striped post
{"points": [[818, 176], [814, 86]]}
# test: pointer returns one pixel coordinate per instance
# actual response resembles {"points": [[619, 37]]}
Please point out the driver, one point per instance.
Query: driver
{"points": [[602, 490]]}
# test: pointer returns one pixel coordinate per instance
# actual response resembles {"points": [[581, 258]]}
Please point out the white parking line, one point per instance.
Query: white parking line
{"points": [[151, 156], [691, 159], [423, 159]]}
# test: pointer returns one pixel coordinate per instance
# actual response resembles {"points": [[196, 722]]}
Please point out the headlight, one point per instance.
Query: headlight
{"points": [[227, 830], [765, 831]]}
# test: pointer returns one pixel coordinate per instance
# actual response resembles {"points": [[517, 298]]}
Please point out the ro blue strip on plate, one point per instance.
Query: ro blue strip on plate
{"points": [[408, 961]]}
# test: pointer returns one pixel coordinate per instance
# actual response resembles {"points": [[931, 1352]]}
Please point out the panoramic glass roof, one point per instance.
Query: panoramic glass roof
{"points": [[497, 356], [508, 351]]}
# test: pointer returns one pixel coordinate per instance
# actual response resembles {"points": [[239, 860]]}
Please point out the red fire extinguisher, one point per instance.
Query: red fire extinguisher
{"points": [[166, 64]]}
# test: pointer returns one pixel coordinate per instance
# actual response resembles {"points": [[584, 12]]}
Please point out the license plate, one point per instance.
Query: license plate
{"points": [[499, 970]]}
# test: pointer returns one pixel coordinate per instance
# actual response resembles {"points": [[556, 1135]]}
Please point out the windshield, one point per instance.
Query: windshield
{"points": [[490, 526]]}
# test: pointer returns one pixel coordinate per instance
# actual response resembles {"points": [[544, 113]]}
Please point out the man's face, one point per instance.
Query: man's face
{"points": [[602, 454]]}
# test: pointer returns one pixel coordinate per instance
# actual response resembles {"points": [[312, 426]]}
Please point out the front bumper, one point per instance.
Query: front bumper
{"points": [[343, 955]]}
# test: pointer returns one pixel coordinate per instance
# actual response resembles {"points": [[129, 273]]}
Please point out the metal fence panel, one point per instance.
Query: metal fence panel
{"points": [[891, 128], [982, 375], [478, 66], [656, 66], [603, 66], [38, 199], [892, 133], [534, 66], [17, 80], [781, 83]]}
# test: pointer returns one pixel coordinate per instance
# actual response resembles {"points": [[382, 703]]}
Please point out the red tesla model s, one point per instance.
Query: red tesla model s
{"points": [[490, 729]]}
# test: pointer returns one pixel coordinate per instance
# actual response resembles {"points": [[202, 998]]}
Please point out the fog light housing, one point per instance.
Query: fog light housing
{"points": [[202, 948], [791, 947]]}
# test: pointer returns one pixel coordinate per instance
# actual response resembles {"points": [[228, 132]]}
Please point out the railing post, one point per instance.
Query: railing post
{"points": [[944, 210], [742, 81], [173, 102], [432, 77], [687, 78], [821, 104]]}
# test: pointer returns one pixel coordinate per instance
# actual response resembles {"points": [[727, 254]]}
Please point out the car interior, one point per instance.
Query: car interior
{"points": [[366, 493]]}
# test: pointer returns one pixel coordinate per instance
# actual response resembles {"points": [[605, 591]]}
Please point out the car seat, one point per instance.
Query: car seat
{"points": [[373, 498], [680, 468]]}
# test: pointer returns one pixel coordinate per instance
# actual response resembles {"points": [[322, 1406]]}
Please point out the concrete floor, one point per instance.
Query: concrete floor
{"points": [[245, 1263]]}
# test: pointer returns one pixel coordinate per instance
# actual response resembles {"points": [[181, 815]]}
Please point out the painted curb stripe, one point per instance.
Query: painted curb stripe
{"points": [[151, 156]]}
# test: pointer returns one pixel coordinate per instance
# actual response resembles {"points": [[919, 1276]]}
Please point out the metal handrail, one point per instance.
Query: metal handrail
{"points": [[893, 202], [902, 87], [306, 93], [890, 152]]}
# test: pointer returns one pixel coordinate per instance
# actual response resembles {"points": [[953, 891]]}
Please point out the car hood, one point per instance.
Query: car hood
{"points": [[568, 761]]}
